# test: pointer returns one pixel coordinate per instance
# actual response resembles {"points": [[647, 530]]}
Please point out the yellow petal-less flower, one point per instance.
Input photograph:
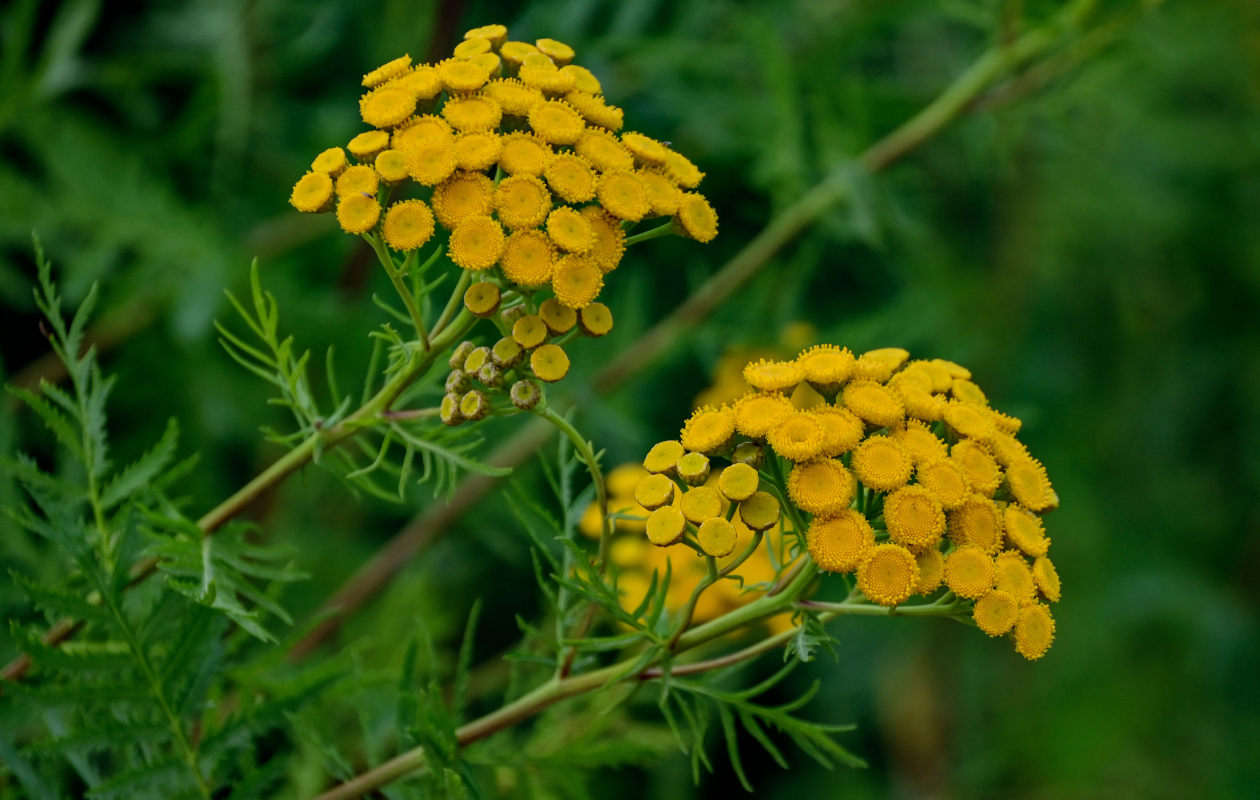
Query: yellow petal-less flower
{"points": [[430, 162], [357, 213], [358, 179], [653, 491], [914, 518], [931, 570], [738, 482], [1047, 578], [514, 97], [969, 572], [571, 177], [663, 195], [756, 413], [530, 331], [879, 364], [799, 437], [387, 71], [472, 113], [1034, 631], [312, 193], [604, 151], [477, 150], [584, 79], [522, 201], [528, 258], [557, 51], [696, 217], [708, 429], [945, 480], [426, 129], [773, 376], [476, 243], [558, 317], [408, 225], [969, 421], [482, 299], [556, 122], [515, 53], [826, 366], [1012, 574], [645, 149], [524, 154], [1024, 529], [663, 456], [576, 281], [967, 392], [332, 161], [543, 75], [1029, 485], [977, 522], [995, 612], [495, 34], [571, 231], [458, 75], [392, 166], [693, 468], [471, 48], [593, 107], [666, 526], [387, 106], [888, 574], [610, 239], [700, 503], [839, 543], [623, 195], [366, 145], [421, 81], [822, 487], [981, 470], [881, 463], [874, 403], [842, 430], [920, 442], [550, 363], [760, 512], [461, 196], [717, 537]]}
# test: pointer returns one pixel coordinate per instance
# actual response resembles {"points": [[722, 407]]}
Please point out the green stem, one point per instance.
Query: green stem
{"points": [[710, 578], [452, 303], [395, 277], [667, 229]]}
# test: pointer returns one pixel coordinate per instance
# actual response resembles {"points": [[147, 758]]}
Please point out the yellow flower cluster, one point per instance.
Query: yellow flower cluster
{"points": [[524, 356], [908, 476], [512, 149], [636, 559]]}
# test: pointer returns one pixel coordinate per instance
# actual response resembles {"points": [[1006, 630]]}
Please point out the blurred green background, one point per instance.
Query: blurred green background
{"points": [[1089, 246]]}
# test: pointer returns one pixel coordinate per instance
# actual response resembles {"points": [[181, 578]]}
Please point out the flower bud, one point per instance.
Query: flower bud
{"points": [[460, 354], [525, 395]]}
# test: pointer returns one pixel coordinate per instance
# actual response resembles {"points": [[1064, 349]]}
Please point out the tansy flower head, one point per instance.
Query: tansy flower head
{"points": [[604, 151], [514, 53], [888, 574], [474, 405], [798, 437], [571, 176], [708, 429], [595, 319], [977, 522], [387, 106], [879, 364], [528, 258], [663, 456], [1012, 574], [931, 570], [716, 537], [426, 129], [392, 166], [458, 75], [663, 195], [610, 239], [332, 161], [366, 145], [524, 154], [583, 79], [874, 403], [822, 487], [556, 122], [967, 392], [919, 402], [408, 225], [576, 281], [881, 463], [682, 171], [645, 149], [559, 317], [693, 468], [623, 195], [654, 491], [700, 503], [357, 213], [593, 108], [507, 353], [388, 70], [549, 362], [529, 331], [1007, 449], [421, 81], [826, 366], [522, 201], [665, 526], [463, 195], [1025, 530], [969, 572], [558, 52], [482, 299], [1028, 483], [490, 62], [543, 75], [495, 34], [842, 430], [981, 470], [738, 482], [472, 113], [945, 480], [756, 413], [476, 243], [1047, 578], [773, 376], [430, 162], [995, 612], [914, 518], [968, 421], [839, 543], [477, 150], [920, 442], [313, 192], [357, 180], [695, 218], [471, 48], [570, 230], [759, 512], [514, 97], [1034, 631]]}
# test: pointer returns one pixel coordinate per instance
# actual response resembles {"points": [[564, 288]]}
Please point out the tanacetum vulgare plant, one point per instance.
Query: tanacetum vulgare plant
{"points": [[498, 188]]}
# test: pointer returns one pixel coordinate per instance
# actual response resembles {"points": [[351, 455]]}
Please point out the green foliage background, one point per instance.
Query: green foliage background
{"points": [[1090, 249]]}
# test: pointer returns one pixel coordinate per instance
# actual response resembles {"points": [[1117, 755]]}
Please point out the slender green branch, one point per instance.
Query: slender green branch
{"points": [[711, 577], [452, 303], [395, 277], [667, 229]]}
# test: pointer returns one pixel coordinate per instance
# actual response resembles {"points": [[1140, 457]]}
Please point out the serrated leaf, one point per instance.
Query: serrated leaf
{"points": [[76, 656], [89, 740], [143, 471], [165, 778], [53, 419]]}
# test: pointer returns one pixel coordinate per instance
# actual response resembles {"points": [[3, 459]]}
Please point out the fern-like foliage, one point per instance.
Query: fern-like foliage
{"points": [[126, 702]]}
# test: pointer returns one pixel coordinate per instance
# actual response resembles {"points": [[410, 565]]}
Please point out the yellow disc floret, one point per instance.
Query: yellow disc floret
{"points": [[524, 154], [874, 403], [570, 230], [529, 331], [357, 213], [839, 543], [610, 239], [313, 192], [756, 413], [663, 195], [477, 150], [645, 149], [1047, 578], [654, 491], [700, 503], [738, 482], [472, 113], [558, 317], [358, 179], [332, 161], [476, 243], [663, 456], [623, 195], [367, 145], [696, 218], [571, 177], [1034, 631], [392, 166], [1029, 485], [981, 470], [931, 570], [549, 362], [387, 106], [826, 366], [458, 75], [995, 612], [528, 258], [665, 526], [920, 442], [888, 574], [773, 376], [1024, 529], [430, 162], [977, 522], [842, 430], [1012, 574], [969, 571], [969, 421], [463, 195], [386, 71], [522, 201], [798, 437], [914, 518], [717, 537], [708, 429], [881, 463], [945, 480], [576, 281], [556, 122], [595, 319], [821, 487], [759, 512], [408, 225]]}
